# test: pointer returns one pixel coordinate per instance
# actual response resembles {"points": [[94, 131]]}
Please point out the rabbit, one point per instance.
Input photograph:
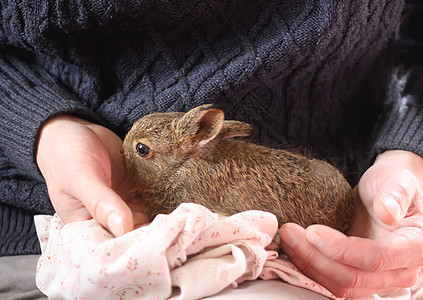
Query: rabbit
{"points": [[199, 157]]}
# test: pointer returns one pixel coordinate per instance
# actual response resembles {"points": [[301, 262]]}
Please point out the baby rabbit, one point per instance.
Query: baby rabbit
{"points": [[196, 157]]}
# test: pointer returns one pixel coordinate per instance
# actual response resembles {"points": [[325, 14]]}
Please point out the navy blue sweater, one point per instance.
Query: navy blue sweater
{"points": [[304, 73]]}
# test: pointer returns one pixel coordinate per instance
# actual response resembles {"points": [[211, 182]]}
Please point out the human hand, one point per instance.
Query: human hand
{"points": [[384, 249], [81, 164]]}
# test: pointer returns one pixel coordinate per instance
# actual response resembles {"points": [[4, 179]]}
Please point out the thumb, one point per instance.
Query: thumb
{"points": [[394, 197], [107, 207]]}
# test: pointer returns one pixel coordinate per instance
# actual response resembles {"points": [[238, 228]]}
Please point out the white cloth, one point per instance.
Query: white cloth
{"points": [[192, 249]]}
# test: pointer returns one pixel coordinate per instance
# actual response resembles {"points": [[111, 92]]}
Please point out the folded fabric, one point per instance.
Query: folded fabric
{"points": [[188, 254]]}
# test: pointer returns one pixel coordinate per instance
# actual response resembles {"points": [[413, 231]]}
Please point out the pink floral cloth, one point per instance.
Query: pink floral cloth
{"points": [[192, 249], [188, 254]]}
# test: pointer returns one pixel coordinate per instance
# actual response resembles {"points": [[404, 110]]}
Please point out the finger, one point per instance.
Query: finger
{"points": [[74, 211], [342, 280], [312, 259], [402, 248], [105, 205], [140, 219], [355, 283], [387, 192], [136, 203], [393, 199], [348, 290]]}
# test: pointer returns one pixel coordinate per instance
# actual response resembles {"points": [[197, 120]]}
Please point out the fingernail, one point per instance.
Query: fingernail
{"points": [[314, 238], [115, 223], [290, 241], [392, 206]]}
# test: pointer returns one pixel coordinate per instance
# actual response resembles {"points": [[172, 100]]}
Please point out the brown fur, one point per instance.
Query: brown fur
{"points": [[196, 157]]}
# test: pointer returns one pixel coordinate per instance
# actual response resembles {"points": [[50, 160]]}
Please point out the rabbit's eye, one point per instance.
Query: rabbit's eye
{"points": [[142, 150]]}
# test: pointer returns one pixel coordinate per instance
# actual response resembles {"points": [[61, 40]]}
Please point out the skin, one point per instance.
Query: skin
{"points": [[91, 183], [384, 249]]}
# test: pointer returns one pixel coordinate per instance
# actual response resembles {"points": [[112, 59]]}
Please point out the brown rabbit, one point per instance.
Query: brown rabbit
{"points": [[195, 157]]}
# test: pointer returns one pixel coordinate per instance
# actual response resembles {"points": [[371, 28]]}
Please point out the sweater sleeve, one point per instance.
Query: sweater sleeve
{"points": [[402, 124], [28, 97]]}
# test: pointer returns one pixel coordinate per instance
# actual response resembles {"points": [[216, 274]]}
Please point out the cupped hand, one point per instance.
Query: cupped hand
{"points": [[383, 251], [81, 164]]}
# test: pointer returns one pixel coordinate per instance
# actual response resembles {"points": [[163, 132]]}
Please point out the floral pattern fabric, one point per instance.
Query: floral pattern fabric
{"points": [[188, 254]]}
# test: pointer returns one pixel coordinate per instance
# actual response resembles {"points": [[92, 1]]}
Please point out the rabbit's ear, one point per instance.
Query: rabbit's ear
{"points": [[201, 124], [231, 129]]}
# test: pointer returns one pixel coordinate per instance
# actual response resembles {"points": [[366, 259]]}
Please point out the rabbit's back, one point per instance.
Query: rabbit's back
{"points": [[238, 176]]}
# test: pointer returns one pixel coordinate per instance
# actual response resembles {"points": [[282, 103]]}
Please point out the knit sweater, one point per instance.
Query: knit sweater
{"points": [[303, 73]]}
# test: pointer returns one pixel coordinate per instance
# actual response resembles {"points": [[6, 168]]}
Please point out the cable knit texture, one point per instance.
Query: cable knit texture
{"points": [[298, 71]]}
